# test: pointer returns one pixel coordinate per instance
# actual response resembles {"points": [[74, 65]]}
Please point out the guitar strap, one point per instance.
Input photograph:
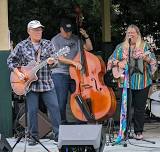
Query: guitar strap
{"points": [[38, 55], [137, 64]]}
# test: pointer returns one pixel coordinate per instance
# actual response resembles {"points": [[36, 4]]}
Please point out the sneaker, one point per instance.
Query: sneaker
{"points": [[50, 136], [55, 141], [32, 142], [139, 136]]}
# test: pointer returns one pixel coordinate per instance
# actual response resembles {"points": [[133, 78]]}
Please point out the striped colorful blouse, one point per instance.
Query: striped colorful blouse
{"points": [[138, 80]]}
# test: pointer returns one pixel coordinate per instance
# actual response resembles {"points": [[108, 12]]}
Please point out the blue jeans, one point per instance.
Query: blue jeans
{"points": [[62, 85], [50, 100]]}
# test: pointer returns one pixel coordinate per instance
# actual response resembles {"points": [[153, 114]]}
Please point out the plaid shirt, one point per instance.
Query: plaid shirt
{"points": [[24, 53]]}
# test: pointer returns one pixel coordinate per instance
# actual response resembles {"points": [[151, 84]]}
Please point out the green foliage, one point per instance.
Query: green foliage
{"points": [[49, 12], [144, 13]]}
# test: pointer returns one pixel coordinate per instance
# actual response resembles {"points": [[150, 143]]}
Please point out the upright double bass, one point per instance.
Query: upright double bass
{"points": [[91, 100]]}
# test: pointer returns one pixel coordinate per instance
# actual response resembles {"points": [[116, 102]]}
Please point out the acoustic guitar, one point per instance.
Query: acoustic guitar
{"points": [[118, 72], [22, 87]]}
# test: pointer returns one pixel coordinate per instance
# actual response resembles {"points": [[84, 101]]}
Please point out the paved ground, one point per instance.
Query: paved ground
{"points": [[151, 133]]}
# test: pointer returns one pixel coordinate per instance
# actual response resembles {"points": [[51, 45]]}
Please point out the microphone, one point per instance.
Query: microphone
{"points": [[129, 40]]}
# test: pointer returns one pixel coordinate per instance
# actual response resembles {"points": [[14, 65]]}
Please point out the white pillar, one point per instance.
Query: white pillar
{"points": [[106, 23], [4, 32]]}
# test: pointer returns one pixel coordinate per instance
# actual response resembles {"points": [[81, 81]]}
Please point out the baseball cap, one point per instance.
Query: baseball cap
{"points": [[67, 25], [34, 24]]}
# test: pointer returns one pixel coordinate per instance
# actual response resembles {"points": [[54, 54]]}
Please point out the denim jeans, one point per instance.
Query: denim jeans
{"points": [[50, 100], [62, 86]]}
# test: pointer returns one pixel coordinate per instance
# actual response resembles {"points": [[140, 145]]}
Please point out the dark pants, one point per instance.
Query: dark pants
{"points": [[139, 98], [62, 86], [50, 100]]}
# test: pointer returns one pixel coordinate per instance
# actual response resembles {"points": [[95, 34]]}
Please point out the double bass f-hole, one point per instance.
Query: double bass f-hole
{"points": [[93, 79], [87, 86]]}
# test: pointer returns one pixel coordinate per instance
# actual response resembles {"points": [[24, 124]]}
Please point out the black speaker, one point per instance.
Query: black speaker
{"points": [[80, 135], [4, 145]]}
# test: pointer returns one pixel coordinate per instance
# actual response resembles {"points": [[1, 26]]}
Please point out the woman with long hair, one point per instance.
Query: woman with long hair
{"points": [[142, 67]]}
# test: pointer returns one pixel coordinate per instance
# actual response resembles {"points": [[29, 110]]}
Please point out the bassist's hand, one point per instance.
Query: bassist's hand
{"points": [[84, 33], [77, 65]]}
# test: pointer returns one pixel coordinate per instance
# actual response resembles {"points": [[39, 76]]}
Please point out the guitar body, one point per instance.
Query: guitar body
{"points": [[20, 87], [117, 72]]}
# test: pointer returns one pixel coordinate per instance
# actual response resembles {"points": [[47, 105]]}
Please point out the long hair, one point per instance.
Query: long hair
{"points": [[139, 42]]}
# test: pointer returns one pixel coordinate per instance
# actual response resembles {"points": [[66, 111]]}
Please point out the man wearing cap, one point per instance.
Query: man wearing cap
{"points": [[60, 74], [25, 52]]}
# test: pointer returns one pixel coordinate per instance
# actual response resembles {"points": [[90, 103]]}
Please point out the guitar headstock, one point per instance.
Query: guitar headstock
{"points": [[64, 51]]}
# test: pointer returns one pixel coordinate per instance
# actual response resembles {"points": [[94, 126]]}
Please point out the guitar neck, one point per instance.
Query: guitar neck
{"points": [[62, 51], [39, 66]]}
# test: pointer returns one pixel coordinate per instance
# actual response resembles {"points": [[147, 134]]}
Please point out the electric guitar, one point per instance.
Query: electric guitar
{"points": [[22, 87]]}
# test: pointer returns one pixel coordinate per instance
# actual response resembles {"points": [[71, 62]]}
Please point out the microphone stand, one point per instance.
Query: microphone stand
{"points": [[129, 105], [129, 98], [26, 132]]}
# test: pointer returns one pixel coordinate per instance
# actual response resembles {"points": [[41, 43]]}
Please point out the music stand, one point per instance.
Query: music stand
{"points": [[26, 132], [129, 105]]}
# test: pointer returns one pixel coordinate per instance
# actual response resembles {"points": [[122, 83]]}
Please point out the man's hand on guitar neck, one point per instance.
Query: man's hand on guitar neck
{"points": [[51, 60], [20, 75]]}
